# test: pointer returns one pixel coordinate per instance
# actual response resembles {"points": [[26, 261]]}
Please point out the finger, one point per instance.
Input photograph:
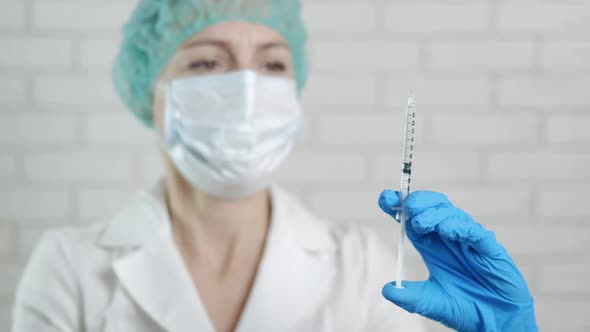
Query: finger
{"points": [[419, 201], [409, 297], [462, 228], [388, 201], [426, 221]]}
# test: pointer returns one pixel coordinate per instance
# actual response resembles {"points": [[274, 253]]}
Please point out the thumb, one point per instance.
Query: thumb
{"points": [[409, 297]]}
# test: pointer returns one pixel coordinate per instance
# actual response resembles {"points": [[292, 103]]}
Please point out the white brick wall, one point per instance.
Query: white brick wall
{"points": [[344, 55], [12, 15], [352, 17], [538, 166], [12, 90], [562, 55], [35, 52], [504, 111], [481, 55], [77, 167], [71, 15], [98, 53], [568, 128], [38, 204], [75, 90], [552, 92], [548, 17], [7, 165], [38, 129], [480, 129], [455, 89], [436, 18]]}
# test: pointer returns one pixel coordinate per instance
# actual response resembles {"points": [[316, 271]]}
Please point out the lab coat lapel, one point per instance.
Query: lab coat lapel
{"points": [[152, 271], [156, 279], [291, 282]]}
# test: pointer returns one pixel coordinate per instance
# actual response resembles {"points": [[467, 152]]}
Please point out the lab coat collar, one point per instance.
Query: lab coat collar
{"points": [[291, 271], [148, 216]]}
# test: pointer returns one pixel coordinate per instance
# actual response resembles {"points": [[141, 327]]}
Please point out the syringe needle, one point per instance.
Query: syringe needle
{"points": [[401, 251], [405, 184]]}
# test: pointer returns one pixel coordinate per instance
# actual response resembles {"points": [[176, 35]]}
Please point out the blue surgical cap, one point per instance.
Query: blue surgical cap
{"points": [[157, 28]]}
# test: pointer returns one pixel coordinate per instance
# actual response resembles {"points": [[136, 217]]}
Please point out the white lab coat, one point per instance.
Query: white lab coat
{"points": [[127, 275]]}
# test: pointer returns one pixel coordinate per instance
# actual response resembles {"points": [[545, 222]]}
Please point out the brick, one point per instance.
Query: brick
{"points": [[12, 89], [37, 129], [79, 166], [484, 129], [12, 14], [6, 316], [346, 205], [539, 165], [339, 17], [491, 201], [74, 90], [481, 55], [341, 90], [35, 52], [564, 277], [434, 92], [117, 128], [435, 18], [572, 55], [101, 203], [528, 270], [153, 166], [33, 204], [315, 167], [9, 279], [551, 17], [352, 55], [556, 93], [75, 15], [98, 53], [366, 129], [7, 244], [543, 240], [305, 136], [431, 167], [8, 163], [554, 314], [563, 201], [568, 128]]}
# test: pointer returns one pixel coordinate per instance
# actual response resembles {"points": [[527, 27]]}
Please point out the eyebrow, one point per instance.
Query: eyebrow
{"points": [[222, 44]]}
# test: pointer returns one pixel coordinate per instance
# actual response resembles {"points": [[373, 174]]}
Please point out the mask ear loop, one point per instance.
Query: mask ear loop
{"points": [[162, 136]]}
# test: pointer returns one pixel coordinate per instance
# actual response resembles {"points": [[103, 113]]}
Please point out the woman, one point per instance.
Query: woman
{"points": [[214, 247]]}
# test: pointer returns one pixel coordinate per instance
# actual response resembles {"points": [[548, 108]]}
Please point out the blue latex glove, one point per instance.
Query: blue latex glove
{"points": [[474, 284]]}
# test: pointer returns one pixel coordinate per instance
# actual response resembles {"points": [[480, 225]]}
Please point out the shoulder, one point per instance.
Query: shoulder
{"points": [[64, 243], [57, 256], [76, 247], [68, 241], [49, 289]]}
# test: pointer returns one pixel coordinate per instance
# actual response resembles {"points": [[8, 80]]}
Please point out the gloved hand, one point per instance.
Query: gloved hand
{"points": [[474, 284]]}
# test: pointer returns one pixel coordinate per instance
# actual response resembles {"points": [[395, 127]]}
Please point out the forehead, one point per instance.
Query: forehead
{"points": [[235, 32]]}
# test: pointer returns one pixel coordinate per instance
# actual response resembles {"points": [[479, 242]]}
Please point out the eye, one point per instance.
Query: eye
{"points": [[275, 66], [204, 65]]}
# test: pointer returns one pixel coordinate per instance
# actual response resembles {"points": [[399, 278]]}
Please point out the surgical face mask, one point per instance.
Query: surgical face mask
{"points": [[227, 134]]}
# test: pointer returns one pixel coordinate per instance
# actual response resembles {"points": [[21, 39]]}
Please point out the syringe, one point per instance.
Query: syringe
{"points": [[408, 154]]}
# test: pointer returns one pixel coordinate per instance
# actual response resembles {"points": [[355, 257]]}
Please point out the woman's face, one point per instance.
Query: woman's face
{"points": [[226, 47]]}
